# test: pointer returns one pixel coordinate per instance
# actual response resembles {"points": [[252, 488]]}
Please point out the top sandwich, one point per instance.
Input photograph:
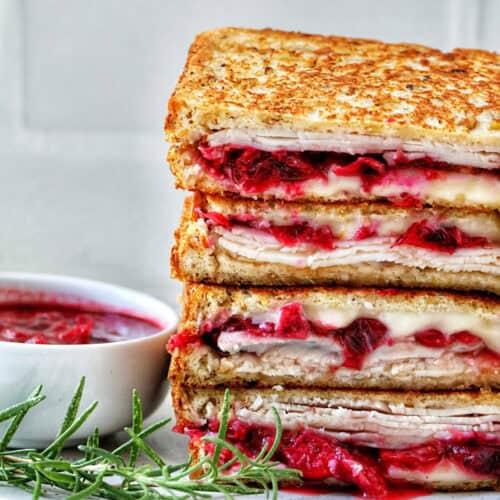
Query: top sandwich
{"points": [[266, 113]]}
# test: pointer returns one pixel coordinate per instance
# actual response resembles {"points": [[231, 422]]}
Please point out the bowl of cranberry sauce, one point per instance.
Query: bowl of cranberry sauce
{"points": [[56, 329]]}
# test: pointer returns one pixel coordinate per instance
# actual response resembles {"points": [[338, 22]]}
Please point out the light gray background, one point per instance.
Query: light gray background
{"points": [[84, 188]]}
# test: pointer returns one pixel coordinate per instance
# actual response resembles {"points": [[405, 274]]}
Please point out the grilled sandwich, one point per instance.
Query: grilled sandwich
{"points": [[371, 440], [272, 114], [336, 338], [238, 241]]}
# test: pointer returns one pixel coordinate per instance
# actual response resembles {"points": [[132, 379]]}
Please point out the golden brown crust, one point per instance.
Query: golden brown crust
{"points": [[266, 78], [221, 268], [204, 302], [229, 205], [190, 402], [194, 260]]}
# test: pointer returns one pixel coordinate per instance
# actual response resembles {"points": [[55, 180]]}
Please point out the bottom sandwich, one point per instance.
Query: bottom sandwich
{"points": [[369, 440]]}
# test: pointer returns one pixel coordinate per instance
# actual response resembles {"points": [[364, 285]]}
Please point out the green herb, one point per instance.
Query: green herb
{"points": [[101, 473]]}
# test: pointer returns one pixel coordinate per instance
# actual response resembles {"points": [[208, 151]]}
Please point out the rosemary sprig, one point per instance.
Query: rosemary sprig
{"points": [[115, 474]]}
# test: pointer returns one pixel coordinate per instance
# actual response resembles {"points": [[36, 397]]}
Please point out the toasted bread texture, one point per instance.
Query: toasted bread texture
{"points": [[262, 79], [293, 211], [204, 366], [194, 259], [205, 302], [196, 405]]}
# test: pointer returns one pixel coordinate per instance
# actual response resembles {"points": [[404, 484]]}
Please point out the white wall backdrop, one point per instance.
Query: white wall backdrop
{"points": [[84, 188]]}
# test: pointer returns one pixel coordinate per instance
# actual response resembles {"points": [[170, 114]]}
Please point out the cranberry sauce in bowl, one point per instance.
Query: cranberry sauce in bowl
{"points": [[58, 324], [56, 329]]}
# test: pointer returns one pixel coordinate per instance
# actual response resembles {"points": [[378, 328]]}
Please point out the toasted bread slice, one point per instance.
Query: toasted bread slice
{"points": [[348, 423], [342, 338], [296, 407], [205, 302], [211, 253], [279, 81], [248, 96], [204, 366]]}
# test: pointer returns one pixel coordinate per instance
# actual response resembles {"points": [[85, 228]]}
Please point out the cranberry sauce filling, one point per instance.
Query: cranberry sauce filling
{"points": [[437, 339], [423, 234], [254, 171], [183, 339], [44, 324], [289, 235], [447, 239], [358, 339], [320, 457]]}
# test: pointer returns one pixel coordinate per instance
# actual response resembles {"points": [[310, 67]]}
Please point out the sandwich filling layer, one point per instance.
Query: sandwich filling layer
{"points": [[405, 179], [356, 144], [352, 338], [346, 456], [459, 246]]}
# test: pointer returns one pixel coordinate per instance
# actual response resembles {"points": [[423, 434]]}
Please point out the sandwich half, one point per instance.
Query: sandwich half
{"points": [[371, 440], [237, 241], [271, 114], [336, 338]]}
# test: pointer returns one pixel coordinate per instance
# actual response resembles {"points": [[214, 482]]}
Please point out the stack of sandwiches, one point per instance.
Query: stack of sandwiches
{"points": [[341, 254]]}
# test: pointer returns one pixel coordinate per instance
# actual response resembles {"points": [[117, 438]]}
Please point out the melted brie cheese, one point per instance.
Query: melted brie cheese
{"points": [[400, 324], [445, 472], [465, 189]]}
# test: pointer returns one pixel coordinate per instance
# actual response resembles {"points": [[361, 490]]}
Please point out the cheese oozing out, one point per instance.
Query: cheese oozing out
{"points": [[404, 183]]}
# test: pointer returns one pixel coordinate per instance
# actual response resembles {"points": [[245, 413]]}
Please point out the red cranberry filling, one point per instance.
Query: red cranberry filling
{"points": [[319, 456], [482, 460], [254, 171], [423, 234], [432, 338], [289, 235], [292, 322], [365, 232], [181, 340], [474, 457], [422, 458], [439, 238], [358, 339], [294, 234], [436, 339]]}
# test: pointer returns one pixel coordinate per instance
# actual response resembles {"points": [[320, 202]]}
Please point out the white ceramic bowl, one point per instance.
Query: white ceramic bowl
{"points": [[112, 369]]}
